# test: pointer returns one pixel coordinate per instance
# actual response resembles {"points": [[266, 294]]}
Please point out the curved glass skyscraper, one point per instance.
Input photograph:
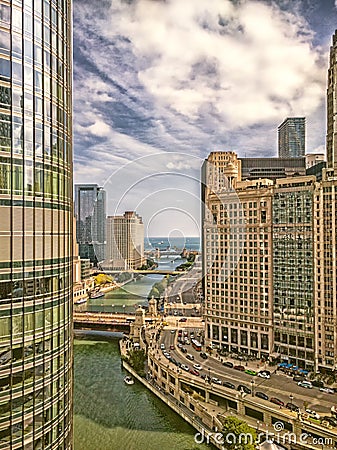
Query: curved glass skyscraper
{"points": [[35, 225]]}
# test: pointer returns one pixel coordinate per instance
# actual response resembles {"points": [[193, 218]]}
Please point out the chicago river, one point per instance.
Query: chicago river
{"points": [[109, 414]]}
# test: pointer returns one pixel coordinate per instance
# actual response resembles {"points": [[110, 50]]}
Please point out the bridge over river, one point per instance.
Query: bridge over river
{"points": [[105, 321]]}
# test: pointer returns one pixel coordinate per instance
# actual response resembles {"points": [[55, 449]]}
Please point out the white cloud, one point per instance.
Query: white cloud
{"points": [[258, 66]]}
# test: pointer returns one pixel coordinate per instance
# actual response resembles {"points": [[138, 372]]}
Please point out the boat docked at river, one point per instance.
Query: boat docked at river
{"points": [[129, 380], [97, 294]]}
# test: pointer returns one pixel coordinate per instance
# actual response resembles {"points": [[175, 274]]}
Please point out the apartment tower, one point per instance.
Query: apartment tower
{"points": [[36, 215], [125, 241], [291, 138]]}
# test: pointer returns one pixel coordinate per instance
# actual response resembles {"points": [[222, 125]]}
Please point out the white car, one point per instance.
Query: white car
{"points": [[312, 413], [327, 390], [162, 346], [263, 375], [184, 367], [197, 366], [216, 380]]}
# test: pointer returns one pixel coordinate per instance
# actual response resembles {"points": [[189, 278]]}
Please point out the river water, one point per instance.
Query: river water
{"points": [[110, 415]]}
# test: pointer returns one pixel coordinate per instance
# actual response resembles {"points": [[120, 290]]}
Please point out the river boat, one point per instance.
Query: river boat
{"points": [[129, 380], [98, 294], [80, 301]]}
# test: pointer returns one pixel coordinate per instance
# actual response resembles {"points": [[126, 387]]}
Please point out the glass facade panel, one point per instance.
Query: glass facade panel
{"points": [[36, 226]]}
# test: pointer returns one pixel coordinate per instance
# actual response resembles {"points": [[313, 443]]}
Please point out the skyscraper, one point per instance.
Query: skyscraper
{"points": [[36, 216], [125, 241], [291, 138], [90, 211], [331, 137]]}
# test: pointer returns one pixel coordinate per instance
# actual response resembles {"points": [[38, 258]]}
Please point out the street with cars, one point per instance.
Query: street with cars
{"points": [[265, 385]]}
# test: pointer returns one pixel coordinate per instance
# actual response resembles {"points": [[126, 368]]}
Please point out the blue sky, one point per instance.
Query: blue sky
{"points": [[171, 80]]}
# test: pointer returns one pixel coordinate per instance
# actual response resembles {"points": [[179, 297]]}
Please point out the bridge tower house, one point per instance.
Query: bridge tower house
{"points": [[153, 312], [137, 326]]}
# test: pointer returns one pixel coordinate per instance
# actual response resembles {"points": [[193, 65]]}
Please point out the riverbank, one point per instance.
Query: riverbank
{"points": [[204, 417], [110, 415]]}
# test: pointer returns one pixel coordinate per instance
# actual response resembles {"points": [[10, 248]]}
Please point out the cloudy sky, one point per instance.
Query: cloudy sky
{"points": [[169, 81]]}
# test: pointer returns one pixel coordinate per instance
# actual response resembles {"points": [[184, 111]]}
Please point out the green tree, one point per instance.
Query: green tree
{"points": [[136, 359], [237, 434]]}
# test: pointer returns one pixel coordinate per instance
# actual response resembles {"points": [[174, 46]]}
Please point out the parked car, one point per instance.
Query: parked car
{"points": [[243, 388], [261, 395], [197, 366], [276, 401], [194, 372], [327, 390], [312, 413], [228, 364], [318, 383], [184, 350], [173, 361], [250, 372], [190, 357], [180, 345], [298, 378], [203, 355], [162, 346], [263, 374], [183, 319], [305, 384], [331, 420], [215, 380], [185, 367], [228, 385], [292, 407], [187, 342], [241, 368]]}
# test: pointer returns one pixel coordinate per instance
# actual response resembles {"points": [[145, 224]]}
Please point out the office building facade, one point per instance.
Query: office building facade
{"points": [[291, 138], [331, 137], [36, 215], [125, 241], [90, 211]]}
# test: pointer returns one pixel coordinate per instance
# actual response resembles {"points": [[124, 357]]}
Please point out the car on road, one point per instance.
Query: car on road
{"points": [[171, 347], [180, 345], [162, 346], [263, 374], [185, 367], [327, 390], [197, 366], [292, 407], [203, 355], [190, 357], [261, 395], [228, 384], [194, 372], [228, 364], [216, 380], [250, 372], [241, 368], [305, 384], [173, 331], [312, 413], [183, 319], [167, 355], [299, 378], [243, 388], [276, 401], [331, 420]]}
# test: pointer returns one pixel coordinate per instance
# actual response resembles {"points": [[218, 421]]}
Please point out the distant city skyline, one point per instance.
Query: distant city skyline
{"points": [[191, 78]]}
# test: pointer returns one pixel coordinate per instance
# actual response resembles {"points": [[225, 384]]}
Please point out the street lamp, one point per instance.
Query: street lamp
{"points": [[209, 375], [253, 384], [291, 398]]}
